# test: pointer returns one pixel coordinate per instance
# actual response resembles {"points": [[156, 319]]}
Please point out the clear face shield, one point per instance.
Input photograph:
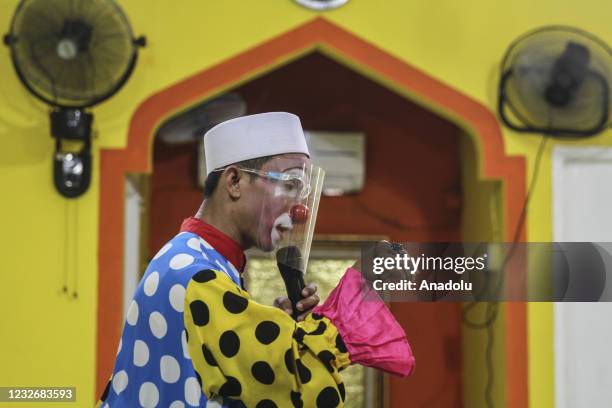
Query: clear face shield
{"points": [[288, 209]]}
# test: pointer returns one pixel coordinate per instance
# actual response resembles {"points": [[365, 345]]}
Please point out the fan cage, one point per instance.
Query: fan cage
{"points": [[57, 100], [582, 123]]}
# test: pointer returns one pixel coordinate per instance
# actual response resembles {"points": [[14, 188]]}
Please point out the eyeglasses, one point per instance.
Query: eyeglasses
{"points": [[293, 186]]}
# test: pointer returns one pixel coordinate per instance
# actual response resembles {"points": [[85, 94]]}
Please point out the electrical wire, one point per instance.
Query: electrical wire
{"points": [[492, 309]]}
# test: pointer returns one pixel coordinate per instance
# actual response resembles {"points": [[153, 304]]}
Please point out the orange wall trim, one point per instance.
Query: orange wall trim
{"points": [[317, 33]]}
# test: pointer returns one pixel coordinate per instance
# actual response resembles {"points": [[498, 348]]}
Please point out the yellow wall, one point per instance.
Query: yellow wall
{"points": [[482, 221], [49, 338]]}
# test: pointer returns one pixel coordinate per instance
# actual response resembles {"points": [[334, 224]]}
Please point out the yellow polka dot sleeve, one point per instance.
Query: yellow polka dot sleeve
{"points": [[258, 354]]}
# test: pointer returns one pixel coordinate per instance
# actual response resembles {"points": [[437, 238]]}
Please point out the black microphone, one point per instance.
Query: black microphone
{"points": [[289, 261]]}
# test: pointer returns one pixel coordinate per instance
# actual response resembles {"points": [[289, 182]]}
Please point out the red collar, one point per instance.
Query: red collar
{"points": [[221, 242]]}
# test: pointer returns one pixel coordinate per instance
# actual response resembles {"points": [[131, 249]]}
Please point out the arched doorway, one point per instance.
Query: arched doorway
{"points": [[320, 35]]}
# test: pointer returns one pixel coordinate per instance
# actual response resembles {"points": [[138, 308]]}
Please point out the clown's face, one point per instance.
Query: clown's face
{"points": [[274, 198]]}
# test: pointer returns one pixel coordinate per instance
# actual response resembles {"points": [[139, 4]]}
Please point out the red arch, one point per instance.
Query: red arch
{"points": [[318, 33]]}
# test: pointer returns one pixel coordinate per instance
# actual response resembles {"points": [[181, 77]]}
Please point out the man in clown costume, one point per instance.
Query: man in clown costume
{"points": [[194, 338]]}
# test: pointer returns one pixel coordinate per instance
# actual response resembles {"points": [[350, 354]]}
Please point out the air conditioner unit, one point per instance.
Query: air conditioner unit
{"points": [[340, 154]]}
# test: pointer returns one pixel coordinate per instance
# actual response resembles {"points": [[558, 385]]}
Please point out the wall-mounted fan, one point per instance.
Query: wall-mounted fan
{"points": [[556, 81], [72, 55]]}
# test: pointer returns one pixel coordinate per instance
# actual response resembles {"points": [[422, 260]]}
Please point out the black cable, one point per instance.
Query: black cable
{"points": [[491, 311], [534, 177]]}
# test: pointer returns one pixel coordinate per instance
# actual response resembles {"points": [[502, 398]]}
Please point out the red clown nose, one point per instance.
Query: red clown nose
{"points": [[299, 213]]}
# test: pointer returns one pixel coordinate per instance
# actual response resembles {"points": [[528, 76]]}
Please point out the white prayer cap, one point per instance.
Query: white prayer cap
{"points": [[253, 136]]}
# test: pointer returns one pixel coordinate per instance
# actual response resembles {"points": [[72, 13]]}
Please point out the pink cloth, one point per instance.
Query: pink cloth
{"points": [[370, 332]]}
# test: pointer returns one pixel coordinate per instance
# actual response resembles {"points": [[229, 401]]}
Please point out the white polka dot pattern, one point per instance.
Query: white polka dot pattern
{"points": [[141, 353], [233, 269], [120, 381], [213, 404], [158, 325], [193, 392], [177, 297], [184, 343], [169, 369], [180, 261], [150, 284], [163, 250], [206, 244], [132, 314], [148, 396], [160, 370], [194, 243], [221, 266]]}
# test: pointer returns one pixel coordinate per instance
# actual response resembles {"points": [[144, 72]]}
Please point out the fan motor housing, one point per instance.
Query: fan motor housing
{"points": [[73, 124], [77, 58], [75, 32], [555, 80]]}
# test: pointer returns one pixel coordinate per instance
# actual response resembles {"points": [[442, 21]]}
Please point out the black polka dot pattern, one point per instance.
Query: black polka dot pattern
{"points": [[328, 398], [231, 388], [296, 400], [263, 372], [105, 393], [326, 358], [319, 330], [210, 359], [303, 371], [227, 329], [266, 404], [199, 312], [299, 334], [342, 391], [186, 335], [234, 303], [229, 343], [266, 332], [289, 361], [340, 344], [204, 276]]}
